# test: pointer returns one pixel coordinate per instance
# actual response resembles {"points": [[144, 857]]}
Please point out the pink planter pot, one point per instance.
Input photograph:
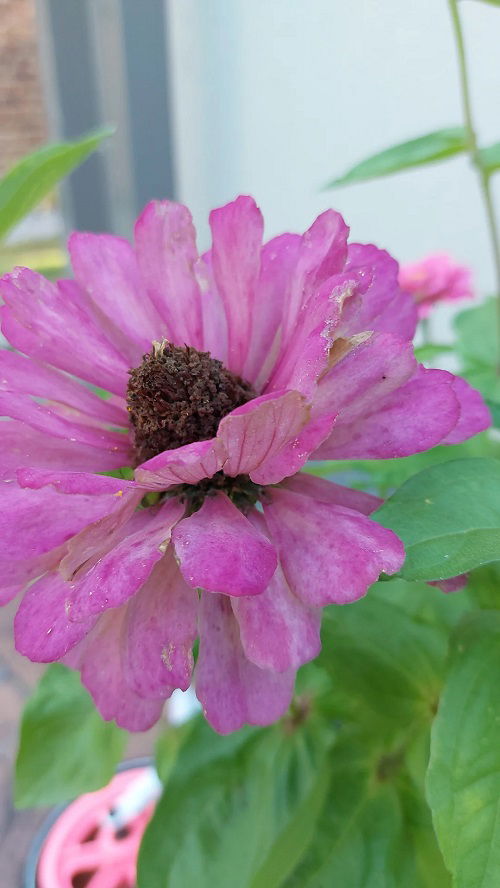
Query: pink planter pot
{"points": [[79, 847]]}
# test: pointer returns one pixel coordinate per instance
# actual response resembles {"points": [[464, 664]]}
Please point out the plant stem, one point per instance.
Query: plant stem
{"points": [[484, 176]]}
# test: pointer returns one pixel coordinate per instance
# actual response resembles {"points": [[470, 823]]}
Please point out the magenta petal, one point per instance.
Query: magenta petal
{"points": [[24, 446], [33, 522], [42, 629], [23, 409], [474, 416], [384, 307], [102, 675], [292, 456], [75, 482], [220, 551], [99, 536], [453, 584], [277, 631], [232, 690], [374, 366], [161, 629], [26, 376], [327, 492], [106, 266], [184, 465], [166, 252], [119, 573], [329, 554], [322, 254], [258, 431], [415, 417], [278, 260], [237, 230], [304, 357], [56, 325]]}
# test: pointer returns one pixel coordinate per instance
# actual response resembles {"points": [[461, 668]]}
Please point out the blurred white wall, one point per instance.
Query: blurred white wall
{"points": [[276, 97]]}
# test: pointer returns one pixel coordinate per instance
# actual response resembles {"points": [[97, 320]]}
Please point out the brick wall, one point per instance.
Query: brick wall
{"points": [[22, 115]]}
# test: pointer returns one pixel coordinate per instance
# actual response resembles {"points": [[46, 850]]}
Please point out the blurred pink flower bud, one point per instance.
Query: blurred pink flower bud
{"points": [[437, 277]]}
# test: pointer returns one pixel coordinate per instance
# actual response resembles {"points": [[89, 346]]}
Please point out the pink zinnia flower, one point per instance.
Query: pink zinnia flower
{"points": [[226, 372], [436, 278]]}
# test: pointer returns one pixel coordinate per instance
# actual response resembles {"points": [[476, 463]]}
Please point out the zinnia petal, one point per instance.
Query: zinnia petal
{"points": [[161, 628], [237, 230], [166, 252], [55, 324], [220, 551], [329, 554], [233, 691], [42, 629], [184, 465], [120, 572]]}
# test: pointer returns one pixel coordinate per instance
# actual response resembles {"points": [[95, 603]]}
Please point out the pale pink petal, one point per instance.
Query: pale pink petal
{"points": [[329, 554], [415, 417], [23, 409], [322, 254], [474, 416], [328, 492], [166, 253], [25, 446], [384, 307], [99, 536], [233, 691], [184, 465], [102, 675], [259, 431], [305, 356], [278, 260], [106, 266], [120, 572], [237, 230], [294, 454], [57, 326], [220, 551], [436, 277], [277, 631], [365, 370], [212, 309], [161, 627], [33, 522], [26, 376], [76, 482], [42, 629]]}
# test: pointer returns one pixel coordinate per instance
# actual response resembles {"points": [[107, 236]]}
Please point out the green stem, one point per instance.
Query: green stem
{"points": [[484, 177]]}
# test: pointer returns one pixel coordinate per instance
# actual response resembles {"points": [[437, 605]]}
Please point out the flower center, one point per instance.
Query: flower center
{"points": [[178, 395]]}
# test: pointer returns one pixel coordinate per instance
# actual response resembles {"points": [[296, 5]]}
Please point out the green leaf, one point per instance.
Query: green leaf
{"points": [[463, 785], [483, 587], [240, 816], [24, 186], [477, 334], [490, 156], [382, 476], [375, 830], [492, 2], [494, 408], [417, 152], [65, 746], [388, 679], [448, 517], [430, 351]]}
